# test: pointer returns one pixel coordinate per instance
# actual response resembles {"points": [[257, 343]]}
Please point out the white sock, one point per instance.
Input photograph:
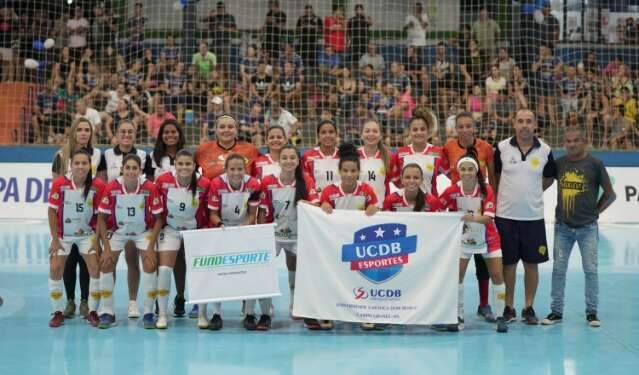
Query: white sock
{"points": [[106, 290], [266, 305], [94, 294], [164, 287], [55, 295], [217, 308], [460, 302], [499, 299], [150, 280], [249, 307], [202, 311]]}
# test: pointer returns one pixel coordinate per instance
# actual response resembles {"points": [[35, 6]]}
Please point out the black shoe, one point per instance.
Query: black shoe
{"points": [[592, 320], [179, 311], [265, 323], [529, 317], [250, 323], [551, 319], [312, 324], [510, 315], [502, 326], [215, 324]]}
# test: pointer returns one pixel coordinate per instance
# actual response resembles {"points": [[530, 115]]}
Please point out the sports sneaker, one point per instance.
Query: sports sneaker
{"points": [[84, 308], [264, 324], [194, 312], [502, 326], [528, 315], [510, 315], [326, 325], [69, 310], [249, 322], [162, 322], [202, 322], [148, 321], [367, 326], [178, 303], [56, 320], [93, 319], [592, 320], [106, 321], [312, 324], [486, 313], [216, 323], [134, 311], [551, 319]]}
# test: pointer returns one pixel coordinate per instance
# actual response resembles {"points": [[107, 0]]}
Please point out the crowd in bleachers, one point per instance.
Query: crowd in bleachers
{"points": [[328, 68]]}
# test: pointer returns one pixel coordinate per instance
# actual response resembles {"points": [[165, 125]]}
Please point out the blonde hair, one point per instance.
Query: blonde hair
{"points": [[381, 146], [71, 144]]}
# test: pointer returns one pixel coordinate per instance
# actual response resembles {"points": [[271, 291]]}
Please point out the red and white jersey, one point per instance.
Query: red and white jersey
{"points": [[397, 202], [431, 161], [279, 202], [266, 166], [183, 210], [323, 168], [373, 172], [231, 204], [362, 197], [130, 214], [76, 215], [475, 236]]}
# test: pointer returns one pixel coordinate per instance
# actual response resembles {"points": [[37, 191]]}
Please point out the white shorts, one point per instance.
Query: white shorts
{"points": [[86, 244], [289, 247], [118, 241], [6, 54], [486, 255], [169, 239]]}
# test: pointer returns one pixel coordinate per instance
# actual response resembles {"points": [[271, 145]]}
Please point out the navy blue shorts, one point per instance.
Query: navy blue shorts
{"points": [[523, 240]]}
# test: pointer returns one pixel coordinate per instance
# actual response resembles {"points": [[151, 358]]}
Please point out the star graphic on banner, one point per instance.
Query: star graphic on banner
{"points": [[397, 232], [379, 232], [362, 237]]}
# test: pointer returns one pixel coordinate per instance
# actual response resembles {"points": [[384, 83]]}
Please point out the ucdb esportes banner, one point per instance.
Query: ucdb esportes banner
{"points": [[393, 267], [232, 263]]}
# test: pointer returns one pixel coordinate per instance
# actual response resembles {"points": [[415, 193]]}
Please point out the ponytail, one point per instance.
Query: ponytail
{"points": [[88, 182], [301, 192], [420, 201]]}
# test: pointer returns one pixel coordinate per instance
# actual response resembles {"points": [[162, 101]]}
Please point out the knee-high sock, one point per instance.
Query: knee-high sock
{"points": [[266, 306], [107, 283], [249, 307], [164, 288], [460, 303], [55, 295], [483, 292], [150, 290], [291, 279], [499, 299], [217, 308], [94, 293]]}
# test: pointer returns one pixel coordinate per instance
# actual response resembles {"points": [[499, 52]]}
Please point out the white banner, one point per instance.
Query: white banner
{"points": [[233, 263], [24, 190], [393, 267]]}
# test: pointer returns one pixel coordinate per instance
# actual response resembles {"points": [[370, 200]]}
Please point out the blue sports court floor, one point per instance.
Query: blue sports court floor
{"points": [[28, 346]]}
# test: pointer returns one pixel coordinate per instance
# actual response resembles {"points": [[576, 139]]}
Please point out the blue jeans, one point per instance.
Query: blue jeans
{"points": [[587, 237]]}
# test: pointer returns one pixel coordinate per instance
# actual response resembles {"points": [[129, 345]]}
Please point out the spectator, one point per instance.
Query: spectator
{"points": [[77, 28], [519, 88], [473, 66], [215, 109], [248, 66], [371, 57], [579, 179], [547, 32], [57, 125], [111, 63], [252, 126], [417, 70], [204, 63], [134, 76], [64, 69], [309, 29], [273, 29], [155, 119], [353, 128], [59, 32], [136, 26], [630, 112], [289, 89], [347, 90], [291, 57], [547, 69], [486, 31], [281, 117], [524, 168], [328, 63], [505, 63], [631, 32], [358, 33], [103, 30], [171, 50], [46, 103], [221, 26], [596, 105], [261, 86], [335, 30], [399, 79], [82, 109], [571, 88], [416, 25], [444, 74], [474, 105], [496, 88], [620, 80], [90, 82]]}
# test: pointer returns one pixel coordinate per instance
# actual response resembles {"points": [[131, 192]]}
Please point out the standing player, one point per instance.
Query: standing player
{"points": [[430, 158], [454, 150], [375, 159], [129, 210], [411, 197], [233, 201], [472, 195], [125, 139], [170, 140], [72, 215], [348, 194], [268, 164], [321, 162], [280, 197], [184, 195]]}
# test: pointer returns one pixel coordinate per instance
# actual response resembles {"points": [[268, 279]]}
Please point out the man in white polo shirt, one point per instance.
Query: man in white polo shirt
{"points": [[524, 167]]}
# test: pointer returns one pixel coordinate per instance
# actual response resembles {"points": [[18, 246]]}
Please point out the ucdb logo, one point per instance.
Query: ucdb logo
{"points": [[379, 252]]}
